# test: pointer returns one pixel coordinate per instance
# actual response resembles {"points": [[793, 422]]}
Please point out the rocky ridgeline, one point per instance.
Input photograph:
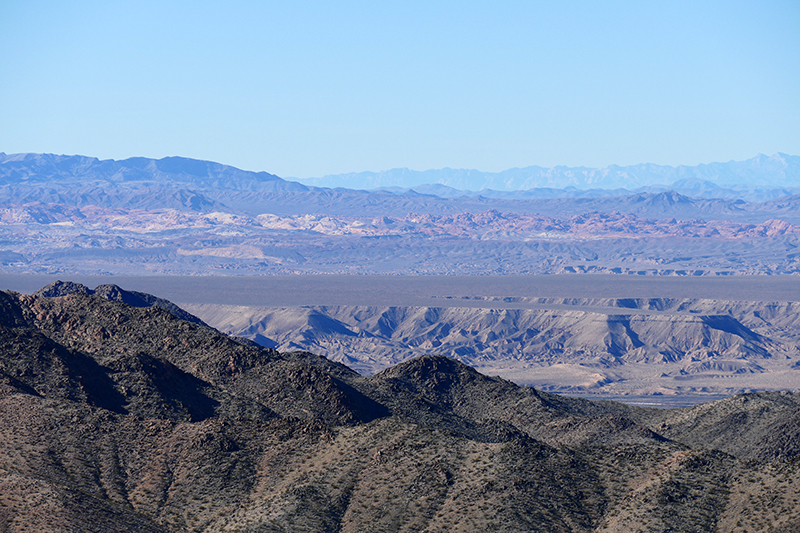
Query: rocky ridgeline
{"points": [[116, 294], [115, 417]]}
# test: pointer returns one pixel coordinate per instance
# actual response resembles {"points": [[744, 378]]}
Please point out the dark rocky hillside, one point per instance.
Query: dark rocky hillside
{"points": [[115, 293], [118, 415]]}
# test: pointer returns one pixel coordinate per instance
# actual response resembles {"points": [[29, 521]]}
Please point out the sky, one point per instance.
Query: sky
{"points": [[304, 89]]}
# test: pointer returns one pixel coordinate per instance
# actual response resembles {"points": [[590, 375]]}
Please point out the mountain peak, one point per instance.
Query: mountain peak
{"points": [[112, 292], [62, 288], [432, 372], [122, 419]]}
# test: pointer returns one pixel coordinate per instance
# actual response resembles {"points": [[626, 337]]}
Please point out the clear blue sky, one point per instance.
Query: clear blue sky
{"points": [[310, 88]]}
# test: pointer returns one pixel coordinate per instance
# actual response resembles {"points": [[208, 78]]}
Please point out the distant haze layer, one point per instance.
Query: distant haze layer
{"points": [[778, 170]]}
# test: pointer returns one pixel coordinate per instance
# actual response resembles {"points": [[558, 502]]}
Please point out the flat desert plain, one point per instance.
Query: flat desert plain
{"points": [[444, 291]]}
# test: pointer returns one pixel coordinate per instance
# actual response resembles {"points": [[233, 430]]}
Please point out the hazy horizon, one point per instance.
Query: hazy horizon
{"points": [[516, 179], [327, 88]]}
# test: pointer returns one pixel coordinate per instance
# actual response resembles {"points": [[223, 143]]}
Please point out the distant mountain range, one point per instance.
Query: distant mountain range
{"points": [[180, 182], [183, 216], [713, 179], [82, 170]]}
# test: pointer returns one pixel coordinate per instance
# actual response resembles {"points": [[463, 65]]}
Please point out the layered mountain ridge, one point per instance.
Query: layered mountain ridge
{"points": [[600, 345], [121, 418], [183, 183], [180, 216]]}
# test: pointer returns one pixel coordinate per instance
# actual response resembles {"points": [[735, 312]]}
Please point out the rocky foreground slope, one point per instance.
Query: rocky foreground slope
{"points": [[122, 418]]}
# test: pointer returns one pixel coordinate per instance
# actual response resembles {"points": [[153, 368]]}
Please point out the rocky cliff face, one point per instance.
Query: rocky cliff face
{"points": [[122, 418]]}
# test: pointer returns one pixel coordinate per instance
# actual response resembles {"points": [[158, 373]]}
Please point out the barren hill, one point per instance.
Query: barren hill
{"points": [[121, 418]]}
